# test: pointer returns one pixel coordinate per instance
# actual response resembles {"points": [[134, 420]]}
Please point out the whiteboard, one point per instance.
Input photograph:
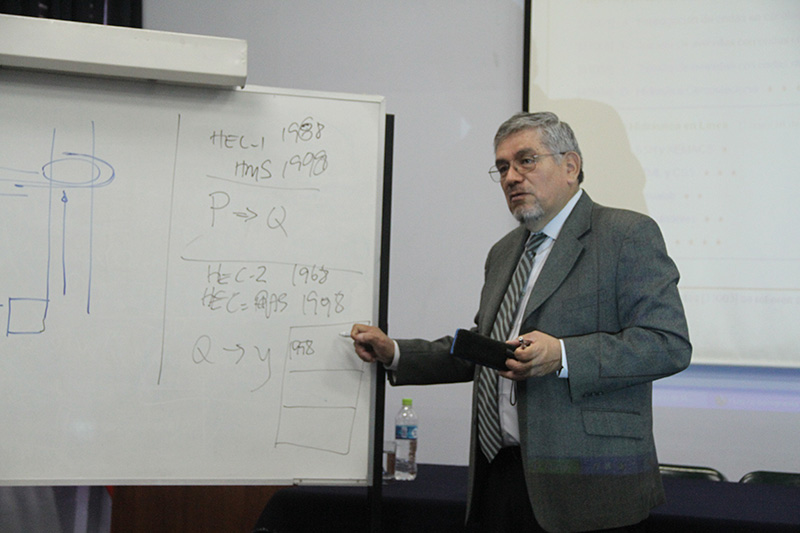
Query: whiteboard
{"points": [[178, 267]]}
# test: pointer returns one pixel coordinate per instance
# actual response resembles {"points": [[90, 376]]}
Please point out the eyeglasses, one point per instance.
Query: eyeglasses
{"points": [[522, 164]]}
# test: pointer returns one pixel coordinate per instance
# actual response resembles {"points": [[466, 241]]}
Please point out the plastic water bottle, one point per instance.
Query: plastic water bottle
{"points": [[405, 434]]}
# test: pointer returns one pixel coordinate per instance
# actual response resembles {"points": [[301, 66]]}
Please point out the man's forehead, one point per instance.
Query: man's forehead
{"points": [[523, 142]]}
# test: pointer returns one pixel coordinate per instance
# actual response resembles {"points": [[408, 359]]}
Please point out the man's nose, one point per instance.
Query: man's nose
{"points": [[513, 175]]}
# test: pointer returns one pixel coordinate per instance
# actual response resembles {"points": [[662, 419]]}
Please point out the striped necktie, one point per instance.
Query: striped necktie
{"points": [[489, 433]]}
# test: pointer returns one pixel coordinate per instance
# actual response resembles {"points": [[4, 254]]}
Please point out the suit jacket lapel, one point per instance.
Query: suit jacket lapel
{"points": [[564, 254], [500, 281]]}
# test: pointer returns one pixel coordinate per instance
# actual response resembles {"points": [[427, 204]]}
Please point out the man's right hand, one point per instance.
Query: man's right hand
{"points": [[372, 344]]}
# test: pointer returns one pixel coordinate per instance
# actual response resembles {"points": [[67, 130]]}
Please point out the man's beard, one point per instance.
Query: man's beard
{"points": [[529, 215]]}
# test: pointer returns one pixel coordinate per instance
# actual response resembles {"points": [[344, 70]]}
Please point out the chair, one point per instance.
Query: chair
{"points": [[691, 472], [765, 477]]}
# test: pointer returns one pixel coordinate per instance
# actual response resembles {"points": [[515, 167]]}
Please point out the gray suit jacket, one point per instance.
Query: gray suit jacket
{"points": [[609, 291]]}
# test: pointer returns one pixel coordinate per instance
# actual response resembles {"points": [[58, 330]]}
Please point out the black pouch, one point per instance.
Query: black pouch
{"points": [[481, 350]]}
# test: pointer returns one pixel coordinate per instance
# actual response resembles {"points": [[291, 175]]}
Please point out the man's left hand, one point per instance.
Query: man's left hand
{"points": [[538, 354]]}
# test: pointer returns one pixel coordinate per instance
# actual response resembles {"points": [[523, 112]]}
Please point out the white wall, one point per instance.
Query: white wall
{"points": [[451, 72]]}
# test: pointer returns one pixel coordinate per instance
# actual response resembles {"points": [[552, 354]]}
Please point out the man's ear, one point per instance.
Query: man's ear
{"points": [[572, 162]]}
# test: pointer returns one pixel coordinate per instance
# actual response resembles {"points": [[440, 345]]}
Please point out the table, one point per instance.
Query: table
{"points": [[436, 502]]}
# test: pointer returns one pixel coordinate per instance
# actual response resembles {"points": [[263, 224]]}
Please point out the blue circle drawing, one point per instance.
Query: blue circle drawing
{"points": [[72, 171]]}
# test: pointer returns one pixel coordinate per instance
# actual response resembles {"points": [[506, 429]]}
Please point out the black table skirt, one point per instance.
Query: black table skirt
{"points": [[436, 502]]}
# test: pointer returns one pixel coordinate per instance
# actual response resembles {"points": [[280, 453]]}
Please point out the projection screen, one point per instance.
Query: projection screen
{"points": [[690, 111]]}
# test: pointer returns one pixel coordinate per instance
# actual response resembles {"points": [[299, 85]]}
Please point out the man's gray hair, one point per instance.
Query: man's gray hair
{"points": [[557, 136]]}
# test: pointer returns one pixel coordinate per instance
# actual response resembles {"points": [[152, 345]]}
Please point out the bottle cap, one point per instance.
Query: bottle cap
{"points": [[406, 402]]}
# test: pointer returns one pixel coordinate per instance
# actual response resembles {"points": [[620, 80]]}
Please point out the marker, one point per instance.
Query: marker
{"points": [[344, 334]]}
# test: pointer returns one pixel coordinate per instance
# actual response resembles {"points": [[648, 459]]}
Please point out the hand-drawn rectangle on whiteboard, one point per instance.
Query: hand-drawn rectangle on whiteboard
{"points": [[26, 315], [161, 245], [322, 384], [318, 429]]}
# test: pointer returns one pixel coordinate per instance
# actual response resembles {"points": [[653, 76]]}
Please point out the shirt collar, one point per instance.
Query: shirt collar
{"points": [[553, 228]]}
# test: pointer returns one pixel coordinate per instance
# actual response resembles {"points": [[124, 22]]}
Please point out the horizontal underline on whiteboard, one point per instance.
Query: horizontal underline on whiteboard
{"points": [[329, 407], [260, 186], [21, 171], [284, 263], [359, 370]]}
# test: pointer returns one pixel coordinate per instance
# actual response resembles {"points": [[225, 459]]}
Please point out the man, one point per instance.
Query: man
{"points": [[599, 318]]}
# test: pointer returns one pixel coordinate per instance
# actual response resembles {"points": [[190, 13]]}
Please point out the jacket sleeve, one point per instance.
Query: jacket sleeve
{"points": [[427, 362]]}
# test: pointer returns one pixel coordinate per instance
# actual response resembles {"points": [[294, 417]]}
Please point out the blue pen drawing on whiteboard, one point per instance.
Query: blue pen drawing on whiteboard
{"points": [[53, 186]]}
